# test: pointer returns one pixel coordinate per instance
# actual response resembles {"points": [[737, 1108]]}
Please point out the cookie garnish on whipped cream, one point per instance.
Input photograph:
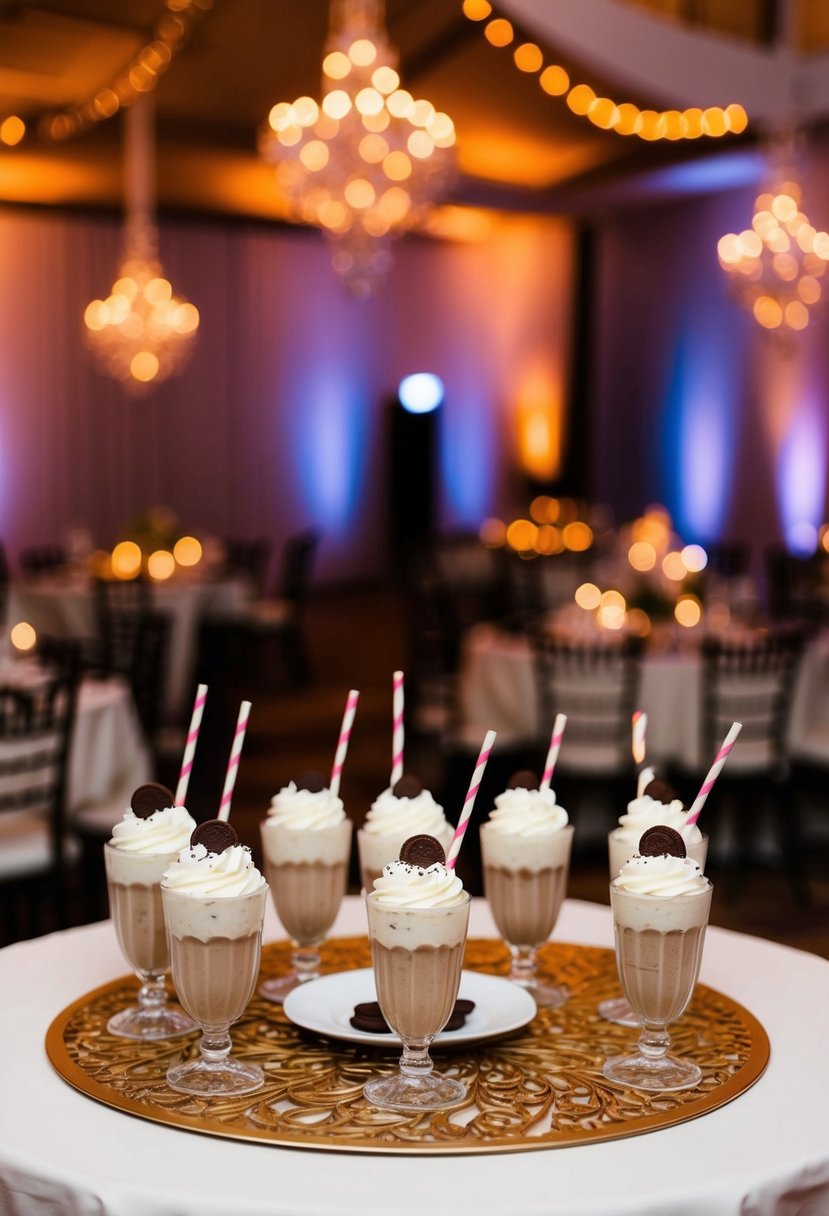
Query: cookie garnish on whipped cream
{"points": [[311, 780], [216, 835], [407, 787], [524, 779], [422, 850], [662, 841], [149, 798]]}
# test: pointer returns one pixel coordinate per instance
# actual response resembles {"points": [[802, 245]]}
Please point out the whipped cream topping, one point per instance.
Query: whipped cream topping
{"points": [[405, 886], [165, 831], [664, 876], [645, 812], [306, 810], [527, 813], [404, 817], [207, 875]]}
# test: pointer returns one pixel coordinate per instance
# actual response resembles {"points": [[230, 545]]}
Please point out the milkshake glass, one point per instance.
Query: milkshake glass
{"points": [[644, 812], [417, 924], [143, 845], [401, 811], [525, 848], [660, 912], [306, 843], [214, 906]]}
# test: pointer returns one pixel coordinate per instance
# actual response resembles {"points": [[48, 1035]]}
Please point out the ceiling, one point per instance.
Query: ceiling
{"points": [[518, 147]]}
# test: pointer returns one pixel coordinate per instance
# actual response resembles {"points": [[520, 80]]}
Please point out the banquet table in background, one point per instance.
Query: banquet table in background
{"points": [[764, 1154], [63, 605], [497, 691]]}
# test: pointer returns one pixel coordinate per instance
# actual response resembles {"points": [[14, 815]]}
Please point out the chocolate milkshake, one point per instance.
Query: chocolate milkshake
{"points": [[417, 918], [654, 804], [143, 845], [405, 809], [214, 905], [525, 847], [660, 902], [306, 842]]}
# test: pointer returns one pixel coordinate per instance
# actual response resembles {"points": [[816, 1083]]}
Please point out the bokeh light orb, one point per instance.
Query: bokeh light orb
{"points": [[23, 636], [126, 559], [421, 392]]}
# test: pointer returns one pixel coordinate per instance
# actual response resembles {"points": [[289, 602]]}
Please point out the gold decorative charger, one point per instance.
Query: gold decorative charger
{"points": [[541, 1087]]}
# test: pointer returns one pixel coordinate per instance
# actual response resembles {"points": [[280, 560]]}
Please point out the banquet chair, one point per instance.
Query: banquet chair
{"points": [[120, 605], [751, 681], [249, 558], [36, 850], [595, 682], [39, 559]]}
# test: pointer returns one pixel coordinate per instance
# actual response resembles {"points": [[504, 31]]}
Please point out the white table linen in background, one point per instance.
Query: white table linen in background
{"points": [[108, 755], [764, 1154], [65, 606], [497, 691]]}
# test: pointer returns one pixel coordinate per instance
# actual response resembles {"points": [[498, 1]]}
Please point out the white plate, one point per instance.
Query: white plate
{"points": [[325, 1005]]}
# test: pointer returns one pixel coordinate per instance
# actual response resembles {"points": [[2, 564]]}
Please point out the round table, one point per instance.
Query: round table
{"points": [[766, 1153]]}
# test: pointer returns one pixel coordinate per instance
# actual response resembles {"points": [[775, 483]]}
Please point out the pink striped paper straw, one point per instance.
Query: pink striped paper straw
{"points": [[469, 800], [233, 761], [639, 726], [555, 747], [713, 773], [190, 745], [342, 743], [397, 729]]}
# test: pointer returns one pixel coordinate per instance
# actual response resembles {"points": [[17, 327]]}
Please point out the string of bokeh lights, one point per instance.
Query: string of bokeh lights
{"points": [[623, 118], [141, 75]]}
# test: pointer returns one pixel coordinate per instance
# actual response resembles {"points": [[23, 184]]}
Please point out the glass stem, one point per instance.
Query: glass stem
{"points": [[654, 1040], [306, 963], [152, 995], [522, 970], [416, 1061], [215, 1044]]}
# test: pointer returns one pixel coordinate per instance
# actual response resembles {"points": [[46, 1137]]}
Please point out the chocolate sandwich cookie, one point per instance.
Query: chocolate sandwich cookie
{"points": [[368, 1018], [310, 780], [407, 787], [661, 841], [660, 791], [215, 834], [150, 798], [422, 850], [524, 779]]}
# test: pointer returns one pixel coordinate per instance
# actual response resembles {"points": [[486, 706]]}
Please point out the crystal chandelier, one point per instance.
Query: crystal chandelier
{"points": [[367, 162], [775, 267], [141, 333]]}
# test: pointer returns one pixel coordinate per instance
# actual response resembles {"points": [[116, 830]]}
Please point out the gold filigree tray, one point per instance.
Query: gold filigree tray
{"points": [[541, 1087]]}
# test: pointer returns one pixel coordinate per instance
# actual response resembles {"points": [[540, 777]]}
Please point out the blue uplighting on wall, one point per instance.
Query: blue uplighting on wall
{"points": [[698, 436], [330, 438], [468, 459], [801, 477], [421, 392]]}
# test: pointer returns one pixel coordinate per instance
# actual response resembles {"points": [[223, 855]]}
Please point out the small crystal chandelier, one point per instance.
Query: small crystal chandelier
{"points": [[369, 161], [775, 267], [141, 333]]}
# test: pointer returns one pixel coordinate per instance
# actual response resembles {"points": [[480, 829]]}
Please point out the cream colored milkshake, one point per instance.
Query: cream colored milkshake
{"points": [[417, 920], [142, 847], [660, 907], [525, 848], [214, 905], [401, 811], [306, 843]]}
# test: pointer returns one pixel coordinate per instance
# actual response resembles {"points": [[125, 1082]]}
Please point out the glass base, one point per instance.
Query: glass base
{"points": [[401, 1092], [277, 989], [166, 1022], [546, 996], [215, 1079], [660, 1074], [618, 1010]]}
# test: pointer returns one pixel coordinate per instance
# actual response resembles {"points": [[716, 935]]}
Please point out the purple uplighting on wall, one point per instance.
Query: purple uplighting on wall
{"points": [[801, 475], [330, 439]]}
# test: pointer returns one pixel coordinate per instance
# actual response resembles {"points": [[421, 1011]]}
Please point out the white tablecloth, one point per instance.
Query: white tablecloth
{"points": [[764, 1154], [498, 692], [64, 606], [108, 756]]}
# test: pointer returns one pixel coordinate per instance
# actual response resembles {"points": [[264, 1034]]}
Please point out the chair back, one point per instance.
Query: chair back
{"points": [[120, 605], [37, 559], [595, 683], [296, 565], [35, 730], [249, 558], [750, 681], [149, 663]]}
